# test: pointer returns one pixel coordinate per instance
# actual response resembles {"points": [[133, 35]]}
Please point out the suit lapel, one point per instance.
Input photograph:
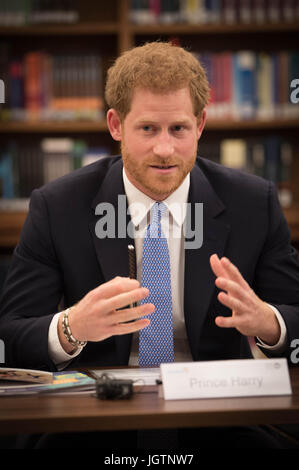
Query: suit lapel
{"points": [[199, 278], [112, 251]]}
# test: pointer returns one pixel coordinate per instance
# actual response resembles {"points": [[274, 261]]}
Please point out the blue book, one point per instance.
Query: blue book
{"points": [[272, 158], [6, 176], [245, 88], [16, 85], [212, 11]]}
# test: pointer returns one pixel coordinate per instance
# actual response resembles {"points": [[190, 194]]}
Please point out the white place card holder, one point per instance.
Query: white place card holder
{"points": [[228, 378]]}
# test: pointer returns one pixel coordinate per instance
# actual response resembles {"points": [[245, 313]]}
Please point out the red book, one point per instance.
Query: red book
{"points": [[33, 84]]}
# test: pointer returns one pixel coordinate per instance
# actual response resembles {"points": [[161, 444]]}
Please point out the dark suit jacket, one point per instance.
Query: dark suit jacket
{"points": [[59, 258]]}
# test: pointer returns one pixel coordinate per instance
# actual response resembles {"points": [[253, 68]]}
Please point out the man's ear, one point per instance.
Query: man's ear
{"points": [[201, 123], [114, 124]]}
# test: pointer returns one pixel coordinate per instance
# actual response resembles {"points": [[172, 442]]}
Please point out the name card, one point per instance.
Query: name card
{"points": [[229, 378]]}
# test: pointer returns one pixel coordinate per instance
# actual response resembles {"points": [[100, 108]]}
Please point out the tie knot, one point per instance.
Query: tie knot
{"points": [[157, 211], [154, 229]]}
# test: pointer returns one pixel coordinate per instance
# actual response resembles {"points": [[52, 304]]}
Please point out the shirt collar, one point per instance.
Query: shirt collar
{"points": [[140, 204]]}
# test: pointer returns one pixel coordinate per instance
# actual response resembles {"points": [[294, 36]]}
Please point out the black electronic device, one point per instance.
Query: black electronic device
{"points": [[108, 388]]}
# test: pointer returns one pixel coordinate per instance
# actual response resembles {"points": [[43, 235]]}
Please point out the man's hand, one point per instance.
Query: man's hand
{"points": [[250, 315], [102, 313]]}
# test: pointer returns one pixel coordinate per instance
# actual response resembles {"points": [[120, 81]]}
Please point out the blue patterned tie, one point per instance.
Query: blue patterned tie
{"points": [[156, 340]]}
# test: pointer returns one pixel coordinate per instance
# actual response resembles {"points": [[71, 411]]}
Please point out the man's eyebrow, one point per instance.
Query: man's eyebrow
{"points": [[175, 122]]}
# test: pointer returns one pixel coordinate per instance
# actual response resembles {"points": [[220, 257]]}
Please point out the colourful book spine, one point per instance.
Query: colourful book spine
{"points": [[283, 83], [227, 64], [264, 87], [6, 175], [16, 85], [33, 89]]}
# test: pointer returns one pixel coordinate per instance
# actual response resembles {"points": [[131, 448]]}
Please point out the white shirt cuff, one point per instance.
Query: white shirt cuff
{"points": [[56, 352], [281, 344]]}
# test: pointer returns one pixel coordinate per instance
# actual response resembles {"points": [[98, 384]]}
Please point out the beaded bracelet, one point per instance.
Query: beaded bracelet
{"points": [[67, 331]]}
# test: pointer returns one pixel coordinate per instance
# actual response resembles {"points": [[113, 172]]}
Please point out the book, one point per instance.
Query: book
{"points": [[15, 382], [33, 84], [5, 261], [41, 86], [94, 154], [25, 375], [233, 153], [285, 192], [20, 12], [16, 86], [57, 157], [249, 85], [6, 176], [169, 11], [259, 11], [245, 84], [265, 108], [27, 166], [213, 11], [272, 158], [229, 11]]}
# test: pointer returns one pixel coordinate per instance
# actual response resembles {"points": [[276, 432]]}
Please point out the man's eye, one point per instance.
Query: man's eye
{"points": [[178, 128], [147, 128]]}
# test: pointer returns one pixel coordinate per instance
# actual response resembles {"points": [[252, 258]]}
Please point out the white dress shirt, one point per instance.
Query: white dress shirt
{"points": [[172, 226]]}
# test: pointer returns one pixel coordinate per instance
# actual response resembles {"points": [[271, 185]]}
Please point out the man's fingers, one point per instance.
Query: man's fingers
{"points": [[225, 268], [216, 266], [233, 288], [232, 303], [233, 272], [127, 328], [114, 287], [226, 322], [133, 313], [127, 298]]}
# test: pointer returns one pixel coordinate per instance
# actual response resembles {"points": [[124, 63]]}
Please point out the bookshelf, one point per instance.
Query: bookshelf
{"points": [[101, 126], [108, 29]]}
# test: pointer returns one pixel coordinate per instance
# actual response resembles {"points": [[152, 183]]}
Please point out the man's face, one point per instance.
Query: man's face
{"points": [[158, 140]]}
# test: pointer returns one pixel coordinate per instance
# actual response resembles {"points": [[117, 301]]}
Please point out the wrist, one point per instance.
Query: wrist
{"points": [[69, 343], [271, 333]]}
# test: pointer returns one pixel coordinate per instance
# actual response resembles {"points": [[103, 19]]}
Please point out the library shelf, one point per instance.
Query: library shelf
{"points": [[11, 224], [81, 29], [36, 127], [203, 29], [255, 124], [98, 27], [101, 125]]}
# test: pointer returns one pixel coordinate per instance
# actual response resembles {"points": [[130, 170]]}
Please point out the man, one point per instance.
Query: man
{"points": [[157, 96]]}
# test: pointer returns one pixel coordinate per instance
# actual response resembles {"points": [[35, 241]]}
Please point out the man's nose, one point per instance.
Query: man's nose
{"points": [[164, 146]]}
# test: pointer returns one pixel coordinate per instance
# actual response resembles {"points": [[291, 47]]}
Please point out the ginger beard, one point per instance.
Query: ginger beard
{"points": [[157, 185]]}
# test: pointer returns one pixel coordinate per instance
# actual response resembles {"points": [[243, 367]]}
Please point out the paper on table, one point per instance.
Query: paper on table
{"points": [[143, 376], [25, 375], [65, 381]]}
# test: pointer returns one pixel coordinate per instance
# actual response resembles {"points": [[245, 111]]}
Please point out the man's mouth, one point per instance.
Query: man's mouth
{"points": [[163, 167]]}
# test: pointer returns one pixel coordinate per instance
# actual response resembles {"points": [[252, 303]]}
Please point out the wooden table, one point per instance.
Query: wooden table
{"points": [[36, 414]]}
